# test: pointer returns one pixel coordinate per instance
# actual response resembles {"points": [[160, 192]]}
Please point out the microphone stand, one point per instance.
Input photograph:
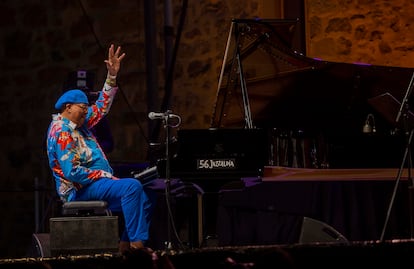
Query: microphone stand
{"points": [[168, 244], [407, 159], [170, 220]]}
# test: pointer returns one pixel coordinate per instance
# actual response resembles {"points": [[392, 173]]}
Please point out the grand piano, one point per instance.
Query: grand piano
{"points": [[318, 115]]}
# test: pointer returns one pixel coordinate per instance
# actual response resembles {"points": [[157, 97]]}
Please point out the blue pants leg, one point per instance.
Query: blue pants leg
{"points": [[125, 195]]}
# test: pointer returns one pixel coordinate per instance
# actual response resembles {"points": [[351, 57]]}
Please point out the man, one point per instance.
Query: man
{"points": [[79, 165]]}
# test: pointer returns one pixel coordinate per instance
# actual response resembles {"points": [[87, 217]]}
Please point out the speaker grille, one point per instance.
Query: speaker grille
{"points": [[41, 245], [83, 235]]}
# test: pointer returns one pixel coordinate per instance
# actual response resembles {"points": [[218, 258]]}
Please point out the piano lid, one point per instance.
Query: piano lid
{"points": [[263, 78]]}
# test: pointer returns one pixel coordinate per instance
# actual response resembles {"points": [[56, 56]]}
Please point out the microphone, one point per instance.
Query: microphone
{"points": [[160, 115]]}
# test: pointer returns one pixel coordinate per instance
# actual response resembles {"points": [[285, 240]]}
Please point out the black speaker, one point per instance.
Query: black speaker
{"points": [[314, 231], [41, 245], [83, 235]]}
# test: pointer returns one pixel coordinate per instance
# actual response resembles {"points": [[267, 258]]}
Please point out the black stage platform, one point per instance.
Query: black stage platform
{"points": [[393, 253]]}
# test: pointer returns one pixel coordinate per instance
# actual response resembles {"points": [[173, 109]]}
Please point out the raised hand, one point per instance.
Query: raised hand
{"points": [[113, 63]]}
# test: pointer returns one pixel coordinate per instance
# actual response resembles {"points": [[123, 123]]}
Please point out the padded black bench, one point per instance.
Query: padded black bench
{"points": [[86, 208]]}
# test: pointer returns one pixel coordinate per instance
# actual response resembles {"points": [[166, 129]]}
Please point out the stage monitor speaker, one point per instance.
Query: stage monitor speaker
{"points": [[83, 235], [41, 245], [314, 231]]}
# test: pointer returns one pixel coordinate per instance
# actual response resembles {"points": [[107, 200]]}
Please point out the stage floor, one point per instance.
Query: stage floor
{"points": [[393, 253]]}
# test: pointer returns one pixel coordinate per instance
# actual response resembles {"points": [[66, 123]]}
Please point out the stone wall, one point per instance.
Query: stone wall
{"points": [[366, 31]]}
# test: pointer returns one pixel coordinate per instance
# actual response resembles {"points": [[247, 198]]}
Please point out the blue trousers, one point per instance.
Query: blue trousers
{"points": [[127, 196]]}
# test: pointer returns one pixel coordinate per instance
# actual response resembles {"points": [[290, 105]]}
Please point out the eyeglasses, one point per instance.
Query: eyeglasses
{"points": [[83, 107]]}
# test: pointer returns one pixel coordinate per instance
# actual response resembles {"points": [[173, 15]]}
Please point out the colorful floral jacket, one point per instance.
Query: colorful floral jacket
{"points": [[75, 157]]}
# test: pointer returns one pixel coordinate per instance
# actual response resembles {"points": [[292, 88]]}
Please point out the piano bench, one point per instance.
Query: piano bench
{"points": [[86, 208]]}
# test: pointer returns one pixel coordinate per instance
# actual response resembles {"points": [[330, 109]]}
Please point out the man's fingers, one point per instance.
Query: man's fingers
{"points": [[118, 50], [121, 57]]}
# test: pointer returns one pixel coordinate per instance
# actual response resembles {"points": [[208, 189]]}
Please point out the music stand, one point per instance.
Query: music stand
{"points": [[391, 109], [388, 106]]}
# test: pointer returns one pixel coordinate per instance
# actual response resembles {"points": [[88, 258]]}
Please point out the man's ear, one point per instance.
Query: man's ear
{"points": [[65, 106]]}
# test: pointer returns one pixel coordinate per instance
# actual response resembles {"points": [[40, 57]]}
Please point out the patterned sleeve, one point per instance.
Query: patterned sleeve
{"points": [[102, 105]]}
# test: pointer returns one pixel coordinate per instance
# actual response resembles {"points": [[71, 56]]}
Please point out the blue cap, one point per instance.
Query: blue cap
{"points": [[75, 96]]}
